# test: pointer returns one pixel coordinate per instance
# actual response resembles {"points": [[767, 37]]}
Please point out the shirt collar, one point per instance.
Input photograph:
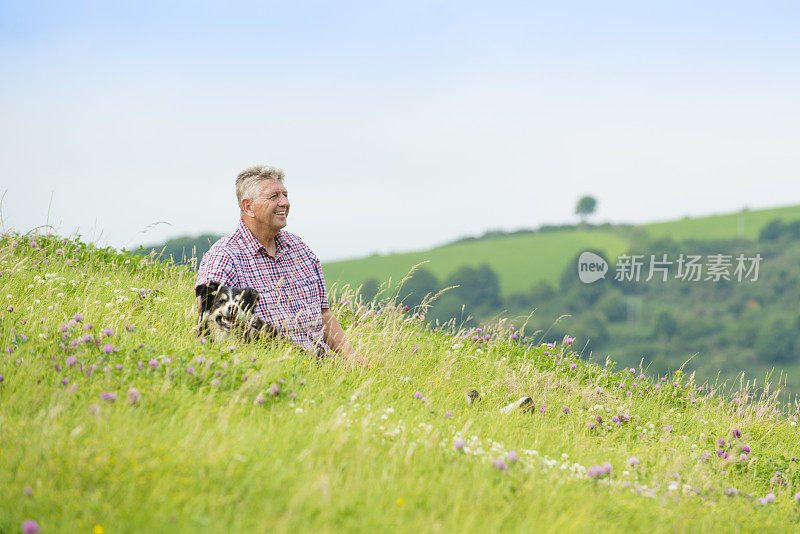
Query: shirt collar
{"points": [[247, 236]]}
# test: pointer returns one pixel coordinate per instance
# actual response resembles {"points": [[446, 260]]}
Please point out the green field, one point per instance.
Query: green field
{"points": [[521, 261], [120, 420], [745, 224]]}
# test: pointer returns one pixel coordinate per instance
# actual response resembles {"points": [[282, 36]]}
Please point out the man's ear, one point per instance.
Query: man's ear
{"points": [[206, 292], [250, 298], [247, 207]]}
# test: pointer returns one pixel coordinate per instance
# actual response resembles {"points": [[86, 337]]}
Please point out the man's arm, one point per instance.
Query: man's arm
{"points": [[333, 334]]}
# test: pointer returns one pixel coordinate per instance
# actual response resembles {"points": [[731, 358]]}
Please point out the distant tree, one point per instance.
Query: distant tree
{"points": [[591, 327], [586, 206], [778, 340], [369, 289], [539, 295], [666, 325], [478, 287], [772, 230], [478, 293], [181, 249], [614, 306], [415, 288]]}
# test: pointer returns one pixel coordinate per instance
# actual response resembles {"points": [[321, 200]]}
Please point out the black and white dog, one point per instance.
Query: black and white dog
{"points": [[228, 310]]}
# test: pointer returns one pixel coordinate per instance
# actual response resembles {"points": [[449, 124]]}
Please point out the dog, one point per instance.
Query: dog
{"points": [[228, 310]]}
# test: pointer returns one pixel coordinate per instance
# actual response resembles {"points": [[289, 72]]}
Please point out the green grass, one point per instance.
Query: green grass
{"points": [[345, 447], [520, 261], [745, 224]]}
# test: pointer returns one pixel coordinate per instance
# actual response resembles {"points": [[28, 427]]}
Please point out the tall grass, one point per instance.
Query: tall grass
{"points": [[263, 438]]}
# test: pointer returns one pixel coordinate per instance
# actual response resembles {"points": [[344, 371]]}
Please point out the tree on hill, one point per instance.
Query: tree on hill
{"points": [[478, 294], [369, 289], [586, 206], [415, 288]]}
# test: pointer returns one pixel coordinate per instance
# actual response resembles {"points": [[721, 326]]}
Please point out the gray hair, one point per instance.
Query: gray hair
{"points": [[247, 181]]}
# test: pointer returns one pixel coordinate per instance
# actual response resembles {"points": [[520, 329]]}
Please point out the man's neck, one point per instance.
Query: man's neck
{"points": [[264, 235]]}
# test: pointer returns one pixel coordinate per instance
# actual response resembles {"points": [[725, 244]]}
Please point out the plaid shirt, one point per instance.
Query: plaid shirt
{"points": [[291, 284]]}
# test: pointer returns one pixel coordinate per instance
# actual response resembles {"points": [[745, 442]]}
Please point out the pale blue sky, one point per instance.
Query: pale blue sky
{"points": [[399, 125]]}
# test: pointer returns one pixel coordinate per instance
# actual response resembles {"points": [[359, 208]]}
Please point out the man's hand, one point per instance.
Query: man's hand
{"points": [[334, 336]]}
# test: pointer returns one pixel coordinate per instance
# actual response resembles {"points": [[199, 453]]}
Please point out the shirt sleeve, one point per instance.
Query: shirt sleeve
{"points": [[323, 295], [218, 266]]}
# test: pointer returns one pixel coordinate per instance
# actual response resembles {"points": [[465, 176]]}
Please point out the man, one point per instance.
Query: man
{"points": [[284, 271]]}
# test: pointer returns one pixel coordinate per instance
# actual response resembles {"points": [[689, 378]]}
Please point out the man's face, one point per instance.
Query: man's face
{"points": [[271, 205]]}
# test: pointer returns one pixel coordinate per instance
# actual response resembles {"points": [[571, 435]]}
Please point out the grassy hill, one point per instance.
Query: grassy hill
{"points": [[523, 260], [745, 224], [115, 418]]}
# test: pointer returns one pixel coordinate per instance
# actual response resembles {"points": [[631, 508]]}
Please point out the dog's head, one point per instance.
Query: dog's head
{"points": [[223, 308]]}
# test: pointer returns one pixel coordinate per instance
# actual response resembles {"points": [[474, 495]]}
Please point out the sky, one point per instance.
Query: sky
{"points": [[399, 125]]}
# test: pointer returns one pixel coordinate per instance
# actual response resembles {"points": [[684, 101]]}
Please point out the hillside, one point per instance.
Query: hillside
{"points": [[116, 418], [521, 261], [746, 224]]}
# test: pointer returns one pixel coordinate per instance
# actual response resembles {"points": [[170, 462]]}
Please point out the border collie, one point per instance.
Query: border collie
{"points": [[228, 310]]}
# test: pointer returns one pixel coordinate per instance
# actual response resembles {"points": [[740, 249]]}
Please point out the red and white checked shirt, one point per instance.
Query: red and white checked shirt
{"points": [[291, 285]]}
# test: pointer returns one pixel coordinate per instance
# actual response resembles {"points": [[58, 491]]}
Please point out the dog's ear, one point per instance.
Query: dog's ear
{"points": [[250, 298], [206, 292]]}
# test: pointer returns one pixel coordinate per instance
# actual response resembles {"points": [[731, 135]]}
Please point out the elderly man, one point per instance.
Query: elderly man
{"points": [[284, 271]]}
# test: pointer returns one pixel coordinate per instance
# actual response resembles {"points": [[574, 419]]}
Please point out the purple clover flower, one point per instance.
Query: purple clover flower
{"points": [[499, 464], [109, 396], [133, 395], [29, 526], [458, 444]]}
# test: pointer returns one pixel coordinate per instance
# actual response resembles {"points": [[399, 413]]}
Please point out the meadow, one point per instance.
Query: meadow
{"points": [[115, 417]]}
